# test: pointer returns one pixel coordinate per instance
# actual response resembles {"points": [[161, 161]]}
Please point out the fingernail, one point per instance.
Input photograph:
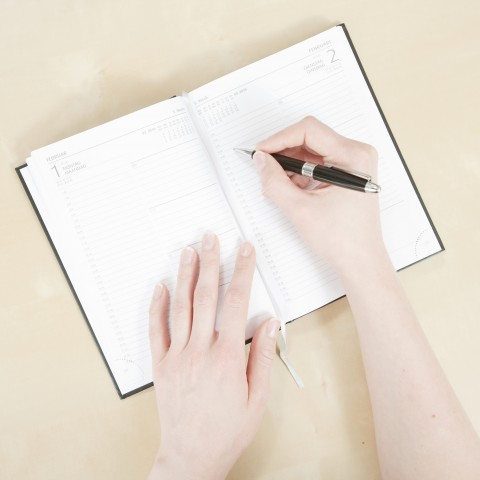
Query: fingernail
{"points": [[246, 249], [158, 291], [260, 160], [187, 255], [272, 328], [208, 241]]}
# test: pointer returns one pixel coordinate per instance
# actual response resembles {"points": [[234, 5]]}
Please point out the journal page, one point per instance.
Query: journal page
{"points": [[120, 203], [319, 77]]}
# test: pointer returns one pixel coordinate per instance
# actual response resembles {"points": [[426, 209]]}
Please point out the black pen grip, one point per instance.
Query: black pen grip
{"points": [[322, 173], [289, 164]]}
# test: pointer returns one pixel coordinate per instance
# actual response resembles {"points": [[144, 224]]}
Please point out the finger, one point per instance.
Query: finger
{"points": [[206, 292], [158, 323], [276, 185], [302, 153], [259, 366], [299, 180], [181, 311], [295, 152], [365, 156], [308, 132], [237, 297]]}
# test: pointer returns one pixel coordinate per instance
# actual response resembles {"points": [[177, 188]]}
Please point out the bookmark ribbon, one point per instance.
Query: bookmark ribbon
{"points": [[282, 341]]}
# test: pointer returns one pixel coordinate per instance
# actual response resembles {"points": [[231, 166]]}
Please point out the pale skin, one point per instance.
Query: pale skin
{"points": [[210, 405]]}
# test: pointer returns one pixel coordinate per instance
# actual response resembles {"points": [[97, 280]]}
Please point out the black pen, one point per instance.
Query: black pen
{"points": [[323, 173]]}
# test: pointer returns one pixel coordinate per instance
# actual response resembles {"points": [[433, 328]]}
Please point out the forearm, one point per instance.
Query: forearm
{"points": [[421, 428], [422, 431]]}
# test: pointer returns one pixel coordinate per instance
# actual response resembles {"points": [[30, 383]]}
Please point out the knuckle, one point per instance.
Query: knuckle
{"points": [[209, 260], [230, 363], [266, 356], [181, 373], [203, 296], [310, 120], [235, 298], [185, 273], [179, 309], [244, 264], [365, 151], [194, 357], [369, 151]]}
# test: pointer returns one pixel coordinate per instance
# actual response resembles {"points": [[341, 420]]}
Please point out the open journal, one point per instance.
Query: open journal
{"points": [[120, 201]]}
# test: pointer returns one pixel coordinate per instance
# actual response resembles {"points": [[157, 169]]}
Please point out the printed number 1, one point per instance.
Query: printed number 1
{"points": [[56, 170], [333, 59]]}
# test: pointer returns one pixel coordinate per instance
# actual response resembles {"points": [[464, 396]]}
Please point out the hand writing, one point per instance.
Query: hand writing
{"points": [[338, 224]]}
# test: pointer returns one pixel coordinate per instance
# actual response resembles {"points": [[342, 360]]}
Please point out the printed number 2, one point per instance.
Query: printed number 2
{"points": [[332, 59], [56, 170]]}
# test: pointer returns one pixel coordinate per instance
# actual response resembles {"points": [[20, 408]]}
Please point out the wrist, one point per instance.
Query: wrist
{"points": [[167, 466], [356, 266]]}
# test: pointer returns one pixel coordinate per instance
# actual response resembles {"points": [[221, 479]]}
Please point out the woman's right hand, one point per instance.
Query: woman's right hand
{"points": [[340, 225]]}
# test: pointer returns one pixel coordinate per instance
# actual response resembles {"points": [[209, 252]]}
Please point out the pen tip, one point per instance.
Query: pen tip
{"points": [[244, 151], [372, 187]]}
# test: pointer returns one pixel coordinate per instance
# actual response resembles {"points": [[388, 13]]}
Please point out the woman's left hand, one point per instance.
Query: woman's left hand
{"points": [[210, 405]]}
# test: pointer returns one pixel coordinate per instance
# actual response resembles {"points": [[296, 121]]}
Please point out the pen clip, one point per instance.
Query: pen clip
{"points": [[348, 170]]}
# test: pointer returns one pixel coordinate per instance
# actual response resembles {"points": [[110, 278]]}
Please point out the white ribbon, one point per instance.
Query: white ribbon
{"points": [[282, 340]]}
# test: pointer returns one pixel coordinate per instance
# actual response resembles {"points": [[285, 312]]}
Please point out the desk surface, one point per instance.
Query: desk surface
{"points": [[66, 66]]}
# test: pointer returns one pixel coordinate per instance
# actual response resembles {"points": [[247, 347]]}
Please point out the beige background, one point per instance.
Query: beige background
{"points": [[67, 65]]}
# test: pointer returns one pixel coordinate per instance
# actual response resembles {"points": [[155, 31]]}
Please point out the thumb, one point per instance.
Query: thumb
{"points": [[262, 353], [275, 183]]}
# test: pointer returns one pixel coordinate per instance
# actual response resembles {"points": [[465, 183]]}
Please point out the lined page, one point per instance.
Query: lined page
{"points": [[319, 77], [121, 201]]}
